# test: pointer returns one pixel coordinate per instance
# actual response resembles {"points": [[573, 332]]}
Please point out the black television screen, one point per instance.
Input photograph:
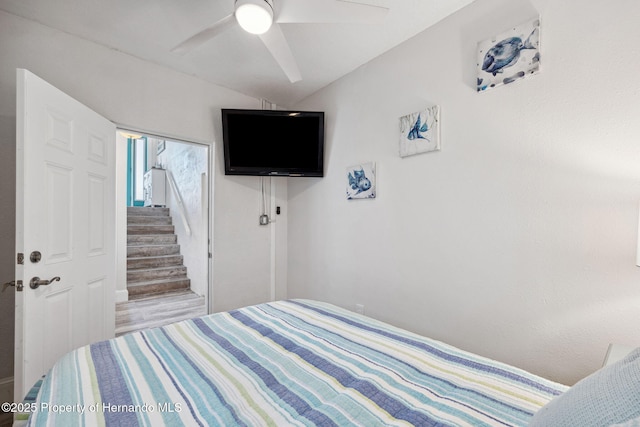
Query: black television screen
{"points": [[273, 142]]}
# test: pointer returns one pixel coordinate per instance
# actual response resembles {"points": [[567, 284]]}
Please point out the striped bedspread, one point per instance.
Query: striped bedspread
{"points": [[288, 363]]}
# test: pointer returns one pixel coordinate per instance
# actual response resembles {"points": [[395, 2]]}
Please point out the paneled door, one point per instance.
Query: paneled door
{"points": [[65, 227]]}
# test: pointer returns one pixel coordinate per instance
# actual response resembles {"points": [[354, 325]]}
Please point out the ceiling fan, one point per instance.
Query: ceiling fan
{"points": [[261, 17]]}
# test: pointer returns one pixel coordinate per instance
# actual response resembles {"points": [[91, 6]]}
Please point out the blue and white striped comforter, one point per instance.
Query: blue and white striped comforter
{"points": [[295, 363]]}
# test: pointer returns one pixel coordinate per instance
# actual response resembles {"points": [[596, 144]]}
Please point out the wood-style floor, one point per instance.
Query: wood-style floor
{"points": [[152, 311]]}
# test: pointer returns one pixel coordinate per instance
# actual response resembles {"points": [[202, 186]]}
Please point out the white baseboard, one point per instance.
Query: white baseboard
{"points": [[122, 295]]}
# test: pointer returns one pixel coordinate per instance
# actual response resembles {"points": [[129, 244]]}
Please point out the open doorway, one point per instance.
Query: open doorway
{"points": [[164, 230]]}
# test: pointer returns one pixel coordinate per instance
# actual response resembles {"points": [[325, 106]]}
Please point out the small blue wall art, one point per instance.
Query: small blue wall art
{"points": [[509, 56], [420, 132], [361, 181]]}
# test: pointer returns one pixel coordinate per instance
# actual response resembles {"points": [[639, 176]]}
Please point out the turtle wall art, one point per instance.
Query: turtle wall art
{"points": [[509, 56]]}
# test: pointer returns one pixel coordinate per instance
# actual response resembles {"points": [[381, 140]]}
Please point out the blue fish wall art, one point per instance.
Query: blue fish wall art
{"points": [[418, 129], [420, 132], [361, 181], [509, 56]]}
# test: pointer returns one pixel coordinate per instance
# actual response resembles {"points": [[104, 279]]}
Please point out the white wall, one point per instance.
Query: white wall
{"points": [[187, 163], [517, 240], [144, 96]]}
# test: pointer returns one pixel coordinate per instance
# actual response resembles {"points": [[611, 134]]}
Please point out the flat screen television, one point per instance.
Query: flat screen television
{"points": [[273, 142]]}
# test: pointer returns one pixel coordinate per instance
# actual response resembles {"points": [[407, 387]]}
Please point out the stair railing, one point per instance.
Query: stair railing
{"points": [[176, 193]]}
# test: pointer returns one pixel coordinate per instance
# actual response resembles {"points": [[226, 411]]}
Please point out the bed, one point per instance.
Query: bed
{"points": [[286, 363]]}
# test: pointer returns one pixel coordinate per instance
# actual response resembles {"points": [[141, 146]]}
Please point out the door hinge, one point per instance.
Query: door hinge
{"points": [[20, 258]]}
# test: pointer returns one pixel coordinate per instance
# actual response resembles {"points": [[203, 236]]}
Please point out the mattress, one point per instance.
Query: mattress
{"points": [[286, 363]]}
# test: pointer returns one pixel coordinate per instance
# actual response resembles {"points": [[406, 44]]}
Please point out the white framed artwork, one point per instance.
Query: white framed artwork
{"points": [[361, 181], [420, 132], [509, 56]]}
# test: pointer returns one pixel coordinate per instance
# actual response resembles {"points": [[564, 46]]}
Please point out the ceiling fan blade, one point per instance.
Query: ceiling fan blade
{"points": [[329, 12], [205, 35], [374, 3], [275, 41]]}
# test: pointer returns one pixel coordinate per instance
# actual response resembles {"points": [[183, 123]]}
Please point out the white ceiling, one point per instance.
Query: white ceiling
{"points": [[149, 29]]}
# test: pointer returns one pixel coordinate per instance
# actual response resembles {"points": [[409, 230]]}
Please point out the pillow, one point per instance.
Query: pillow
{"points": [[609, 396]]}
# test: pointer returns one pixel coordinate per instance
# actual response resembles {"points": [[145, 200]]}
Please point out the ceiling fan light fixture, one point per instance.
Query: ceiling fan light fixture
{"points": [[254, 16]]}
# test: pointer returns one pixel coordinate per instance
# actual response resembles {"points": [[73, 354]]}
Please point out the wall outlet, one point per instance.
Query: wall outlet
{"points": [[360, 308], [264, 219]]}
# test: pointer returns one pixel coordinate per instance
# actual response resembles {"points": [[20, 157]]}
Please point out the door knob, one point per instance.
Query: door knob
{"points": [[36, 282]]}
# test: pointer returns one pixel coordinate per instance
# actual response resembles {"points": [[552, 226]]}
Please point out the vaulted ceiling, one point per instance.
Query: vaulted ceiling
{"points": [[324, 52]]}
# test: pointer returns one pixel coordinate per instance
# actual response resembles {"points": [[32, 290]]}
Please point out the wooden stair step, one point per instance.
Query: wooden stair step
{"points": [[151, 239], [147, 274], [148, 211], [148, 220], [157, 286], [152, 250], [150, 229], [141, 263]]}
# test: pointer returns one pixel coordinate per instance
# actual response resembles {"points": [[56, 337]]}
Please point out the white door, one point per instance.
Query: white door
{"points": [[65, 210]]}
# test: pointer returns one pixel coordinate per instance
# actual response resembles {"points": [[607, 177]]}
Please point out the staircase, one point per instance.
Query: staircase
{"points": [[154, 263]]}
